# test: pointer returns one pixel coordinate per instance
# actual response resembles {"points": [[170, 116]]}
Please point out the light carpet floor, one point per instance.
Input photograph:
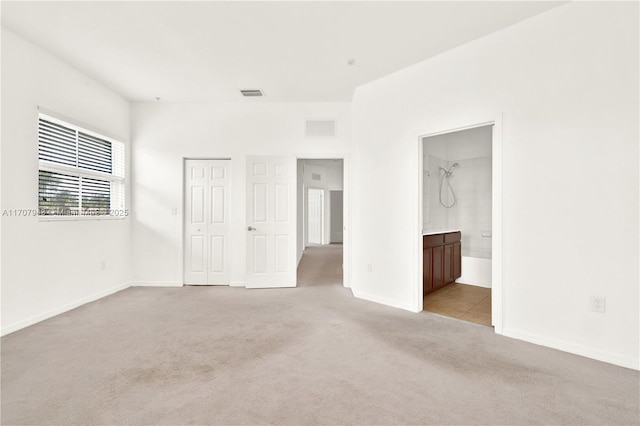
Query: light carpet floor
{"points": [[308, 355]]}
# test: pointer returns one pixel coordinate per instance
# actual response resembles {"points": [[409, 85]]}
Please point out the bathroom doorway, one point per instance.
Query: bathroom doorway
{"points": [[457, 189]]}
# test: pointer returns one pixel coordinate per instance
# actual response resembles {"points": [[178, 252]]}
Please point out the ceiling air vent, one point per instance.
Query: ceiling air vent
{"points": [[320, 129], [251, 92]]}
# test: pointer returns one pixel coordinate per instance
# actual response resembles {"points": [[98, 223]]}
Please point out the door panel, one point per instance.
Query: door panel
{"points": [[217, 254], [217, 204], [197, 253], [282, 253], [206, 254], [197, 171], [259, 203], [270, 222], [218, 172], [260, 254], [315, 218], [197, 204], [281, 202]]}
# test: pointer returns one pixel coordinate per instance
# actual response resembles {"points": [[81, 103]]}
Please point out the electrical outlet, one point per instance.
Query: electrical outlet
{"points": [[103, 265], [174, 211], [369, 267], [598, 304]]}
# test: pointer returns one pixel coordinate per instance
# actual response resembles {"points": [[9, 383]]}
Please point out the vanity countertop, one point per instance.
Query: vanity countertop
{"points": [[440, 231]]}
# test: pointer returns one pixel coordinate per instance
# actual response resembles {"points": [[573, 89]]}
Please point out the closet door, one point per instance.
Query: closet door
{"points": [[206, 222]]}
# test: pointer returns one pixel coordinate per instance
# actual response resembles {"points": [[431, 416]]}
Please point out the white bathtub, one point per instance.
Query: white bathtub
{"points": [[475, 271]]}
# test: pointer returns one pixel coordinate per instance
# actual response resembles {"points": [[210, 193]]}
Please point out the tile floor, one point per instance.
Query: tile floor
{"points": [[462, 301]]}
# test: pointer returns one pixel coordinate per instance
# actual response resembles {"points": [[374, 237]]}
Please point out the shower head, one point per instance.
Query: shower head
{"points": [[448, 172]]}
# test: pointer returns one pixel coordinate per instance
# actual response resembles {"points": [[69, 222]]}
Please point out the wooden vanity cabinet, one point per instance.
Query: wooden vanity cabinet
{"points": [[441, 260], [448, 264], [457, 260]]}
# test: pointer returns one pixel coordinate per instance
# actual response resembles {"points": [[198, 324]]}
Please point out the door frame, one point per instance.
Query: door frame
{"points": [[346, 208], [497, 255], [180, 210]]}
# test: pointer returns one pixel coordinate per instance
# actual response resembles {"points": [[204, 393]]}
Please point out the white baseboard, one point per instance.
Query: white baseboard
{"points": [[383, 300], [565, 346], [286, 285], [157, 284], [237, 284], [62, 309]]}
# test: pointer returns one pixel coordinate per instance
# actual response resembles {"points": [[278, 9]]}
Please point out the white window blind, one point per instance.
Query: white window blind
{"points": [[81, 173], [94, 153]]}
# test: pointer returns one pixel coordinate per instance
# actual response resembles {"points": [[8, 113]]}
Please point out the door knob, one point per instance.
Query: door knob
{"points": [[251, 228]]}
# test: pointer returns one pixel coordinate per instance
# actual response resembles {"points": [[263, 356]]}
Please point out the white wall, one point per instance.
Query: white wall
{"points": [[165, 133], [50, 267], [566, 84]]}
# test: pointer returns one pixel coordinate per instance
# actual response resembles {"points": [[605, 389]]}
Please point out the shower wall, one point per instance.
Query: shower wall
{"points": [[472, 212], [435, 216], [471, 183]]}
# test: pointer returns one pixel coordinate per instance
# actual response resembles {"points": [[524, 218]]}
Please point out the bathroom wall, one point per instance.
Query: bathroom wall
{"points": [[435, 216], [470, 181]]}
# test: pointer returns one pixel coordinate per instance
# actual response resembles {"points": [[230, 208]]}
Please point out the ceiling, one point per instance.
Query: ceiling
{"points": [[294, 51]]}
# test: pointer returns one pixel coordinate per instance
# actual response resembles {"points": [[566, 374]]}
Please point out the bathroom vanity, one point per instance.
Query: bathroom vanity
{"points": [[441, 259]]}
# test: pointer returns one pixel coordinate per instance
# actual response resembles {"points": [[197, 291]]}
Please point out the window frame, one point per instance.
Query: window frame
{"points": [[53, 167]]}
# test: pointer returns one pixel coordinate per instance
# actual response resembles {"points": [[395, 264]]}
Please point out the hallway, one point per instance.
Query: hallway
{"points": [[321, 265]]}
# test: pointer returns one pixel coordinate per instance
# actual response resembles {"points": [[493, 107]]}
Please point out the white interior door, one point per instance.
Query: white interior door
{"points": [[206, 250], [315, 218], [271, 212]]}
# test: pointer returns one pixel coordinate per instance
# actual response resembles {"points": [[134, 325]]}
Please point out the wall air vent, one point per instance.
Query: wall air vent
{"points": [[320, 129], [251, 92], [316, 176]]}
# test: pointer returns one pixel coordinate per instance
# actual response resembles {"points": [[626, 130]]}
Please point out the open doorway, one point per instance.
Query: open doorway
{"points": [[320, 222], [457, 193]]}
